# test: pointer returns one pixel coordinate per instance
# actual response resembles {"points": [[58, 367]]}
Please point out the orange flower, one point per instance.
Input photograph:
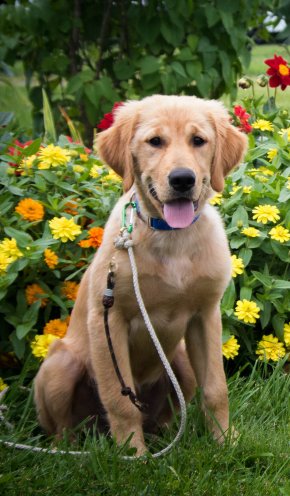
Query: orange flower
{"points": [[30, 209], [57, 327], [71, 208], [94, 240], [33, 293], [70, 290], [50, 258]]}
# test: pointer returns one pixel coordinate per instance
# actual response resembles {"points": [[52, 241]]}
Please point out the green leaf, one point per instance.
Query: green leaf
{"points": [[149, 65], [192, 41], [246, 255], [124, 69], [29, 320], [229, 296], [245, 293], [49, 125], [32, 148], [265, 280], [18, 345], [266, 314], [179, 69], [23, 239], [280, 284], [278, 323]]}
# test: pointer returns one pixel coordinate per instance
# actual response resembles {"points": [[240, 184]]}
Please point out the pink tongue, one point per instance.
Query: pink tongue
{"points": [[179, 213]]}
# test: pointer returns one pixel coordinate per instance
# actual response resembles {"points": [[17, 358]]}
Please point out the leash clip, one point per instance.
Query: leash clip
{"points": [[129, 227]]}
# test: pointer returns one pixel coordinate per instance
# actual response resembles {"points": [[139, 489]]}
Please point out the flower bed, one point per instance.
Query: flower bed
{"points": [[55, 199]]}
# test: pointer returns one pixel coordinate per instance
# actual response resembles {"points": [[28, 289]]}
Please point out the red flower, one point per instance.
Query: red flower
{"points": [[279, 72], [14, 152], [108, 118], [242, 120]]}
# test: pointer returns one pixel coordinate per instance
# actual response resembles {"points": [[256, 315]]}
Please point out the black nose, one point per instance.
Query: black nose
{"points": [[181, 179]]}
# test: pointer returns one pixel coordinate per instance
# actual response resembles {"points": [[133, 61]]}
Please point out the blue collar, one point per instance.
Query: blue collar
{"points": [[158, 224]]}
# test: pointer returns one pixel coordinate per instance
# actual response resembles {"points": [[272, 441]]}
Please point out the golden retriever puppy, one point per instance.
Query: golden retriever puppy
{"points": [[172, 152]]}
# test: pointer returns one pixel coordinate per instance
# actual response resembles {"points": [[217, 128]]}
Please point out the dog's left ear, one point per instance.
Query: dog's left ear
{"points": [[114, 144], [231, 145]]}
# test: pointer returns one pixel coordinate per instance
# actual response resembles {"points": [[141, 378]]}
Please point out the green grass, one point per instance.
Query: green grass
{"points": [[257, 463]]}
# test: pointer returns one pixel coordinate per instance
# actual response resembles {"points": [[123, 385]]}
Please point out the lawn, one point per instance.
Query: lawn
{"points": [[257, 463]]}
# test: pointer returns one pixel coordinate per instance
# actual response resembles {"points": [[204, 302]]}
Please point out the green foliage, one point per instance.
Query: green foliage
{"points": [[88, 55], [79, 189]]}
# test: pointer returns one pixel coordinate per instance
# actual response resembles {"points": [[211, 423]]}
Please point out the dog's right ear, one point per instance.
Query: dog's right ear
{"points": [[113, 145]]}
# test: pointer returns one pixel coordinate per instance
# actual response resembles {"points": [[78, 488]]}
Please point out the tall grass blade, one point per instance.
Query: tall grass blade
{"points": [[72, 129], [49, 126]]}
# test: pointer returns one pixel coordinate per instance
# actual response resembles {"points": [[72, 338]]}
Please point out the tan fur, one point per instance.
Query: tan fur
{"points": [[182, 274]]}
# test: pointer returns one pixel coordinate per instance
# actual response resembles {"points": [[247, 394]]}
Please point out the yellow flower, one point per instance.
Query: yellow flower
{"points": [[52, 156], [50, 258], [57, 327], [269, 348], [247, 189], [84, 157], [33, 293], [285, 132], [280, 233], [95, 171], [263, 125], [272, 153], [251, 232], [111, 177], [30, 209], [64, 229], [70, 290], [78, 168], [27, 162], [237, 265], [2, 385], [248, 311], [216, 200], [41, 344], [235, 189], [230, 348], [287, 334], [266, 213], [9, 248], [5, 261], [266, 171]]}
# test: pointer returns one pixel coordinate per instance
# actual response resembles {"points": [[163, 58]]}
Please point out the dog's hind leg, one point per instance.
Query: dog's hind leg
{"points": [[54, 388]]}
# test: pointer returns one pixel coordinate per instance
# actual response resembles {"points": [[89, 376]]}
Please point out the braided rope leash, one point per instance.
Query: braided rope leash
{"points": [[124, 241]]}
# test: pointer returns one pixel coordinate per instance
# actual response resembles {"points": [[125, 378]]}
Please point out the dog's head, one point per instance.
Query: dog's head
{"points": [[175, 149]]}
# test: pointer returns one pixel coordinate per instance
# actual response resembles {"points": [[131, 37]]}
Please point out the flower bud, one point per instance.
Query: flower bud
{"points": [[245, 83], [240, 223], [262, 80]]}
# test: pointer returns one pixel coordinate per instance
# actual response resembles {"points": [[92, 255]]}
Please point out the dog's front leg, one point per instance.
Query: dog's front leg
{"points": [[204, 346], [124, 418]]}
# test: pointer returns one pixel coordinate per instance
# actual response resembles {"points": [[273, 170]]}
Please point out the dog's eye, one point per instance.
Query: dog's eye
{"points": [[197, 141], [155, 141]]}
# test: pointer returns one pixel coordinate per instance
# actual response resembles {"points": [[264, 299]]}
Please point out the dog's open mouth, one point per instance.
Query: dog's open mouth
{"points": [[178, 213]]}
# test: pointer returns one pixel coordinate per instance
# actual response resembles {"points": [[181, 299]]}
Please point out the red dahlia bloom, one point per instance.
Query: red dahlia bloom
{"points": [[242, 119], [108, 118], [279, 72]]}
